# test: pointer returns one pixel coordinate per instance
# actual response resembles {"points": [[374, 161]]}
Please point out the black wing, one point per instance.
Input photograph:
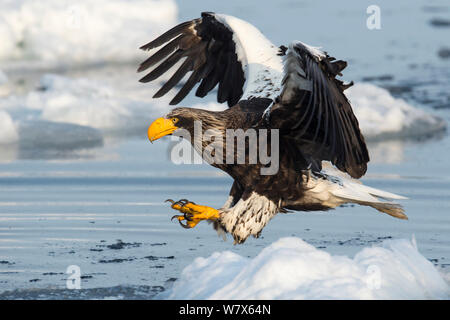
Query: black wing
{"points": [[313, 111], [210, 53]]}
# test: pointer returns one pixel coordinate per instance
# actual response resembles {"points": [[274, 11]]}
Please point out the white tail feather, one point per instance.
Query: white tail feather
{"points": [[347, 189]]}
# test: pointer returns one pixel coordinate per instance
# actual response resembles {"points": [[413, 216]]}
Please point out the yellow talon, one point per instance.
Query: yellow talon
{"points": [[192, 213]]}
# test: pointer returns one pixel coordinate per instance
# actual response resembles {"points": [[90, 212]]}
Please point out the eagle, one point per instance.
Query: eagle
{"points": [[290, 95]]}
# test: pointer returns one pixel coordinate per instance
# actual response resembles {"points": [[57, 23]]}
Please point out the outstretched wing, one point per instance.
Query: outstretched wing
{"points": [[313, 111], [217, 50]]}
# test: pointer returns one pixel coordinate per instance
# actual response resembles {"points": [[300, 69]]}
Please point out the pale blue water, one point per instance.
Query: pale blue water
{"points": [[65, 208], [56, 214]]}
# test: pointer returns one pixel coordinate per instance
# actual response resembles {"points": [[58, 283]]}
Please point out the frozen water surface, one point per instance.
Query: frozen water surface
{"points": [[81, 185]]}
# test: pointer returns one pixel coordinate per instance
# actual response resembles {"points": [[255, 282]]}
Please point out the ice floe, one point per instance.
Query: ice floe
{"points": [[81, 32], [81, 104], [84, 102], [382, 116], [114, 108], [290, 268]]}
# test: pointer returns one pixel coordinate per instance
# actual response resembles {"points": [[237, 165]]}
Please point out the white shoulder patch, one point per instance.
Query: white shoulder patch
{"points": [[262, 65]]}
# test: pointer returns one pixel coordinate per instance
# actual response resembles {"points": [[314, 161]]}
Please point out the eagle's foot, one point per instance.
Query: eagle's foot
{"points": [[192, 213]]}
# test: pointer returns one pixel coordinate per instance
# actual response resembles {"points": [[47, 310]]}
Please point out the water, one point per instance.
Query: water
{"points": [[102, 208], [59, 213]]}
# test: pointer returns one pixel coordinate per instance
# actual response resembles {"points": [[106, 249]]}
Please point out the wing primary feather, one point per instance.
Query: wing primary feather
{"points": [[184, 27], [163, 67], [311, 104], [354, 140], [236, 91], [326, 113], [208, 83], [331, 116], [231, 80], [212, 79], [190, 83], [177, 76], [210, 42], [224, 84], [305, 113], [318, 90], [161, 54], [326, 120]]}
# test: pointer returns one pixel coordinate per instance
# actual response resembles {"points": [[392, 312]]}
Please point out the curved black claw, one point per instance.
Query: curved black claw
{"points": [[181, 204], [186, 215], [185, 201], [184, 225]]}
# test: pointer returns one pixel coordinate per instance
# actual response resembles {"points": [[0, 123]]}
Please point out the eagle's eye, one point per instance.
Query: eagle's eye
{"points": [[174, 120]]}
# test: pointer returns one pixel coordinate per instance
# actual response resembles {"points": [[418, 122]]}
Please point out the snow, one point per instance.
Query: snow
{"points": [[82, 32], [382, 116], [114, 108], [77, 101], [290, 268], [92, 32], [81, 101]]}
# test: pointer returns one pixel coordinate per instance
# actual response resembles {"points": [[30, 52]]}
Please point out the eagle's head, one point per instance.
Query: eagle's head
{"points": [[183, 118]]}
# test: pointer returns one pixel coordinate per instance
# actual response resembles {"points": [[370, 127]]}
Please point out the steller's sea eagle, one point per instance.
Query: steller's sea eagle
{"points": [[292, 89]]}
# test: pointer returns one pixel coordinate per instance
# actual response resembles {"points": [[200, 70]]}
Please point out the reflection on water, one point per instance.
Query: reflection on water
{"points": [[387, 152], [392, 151]]}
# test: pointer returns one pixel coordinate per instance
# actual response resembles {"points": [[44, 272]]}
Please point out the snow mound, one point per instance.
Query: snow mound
{"points": [[293, 269], [84, 31], [381, 116]]}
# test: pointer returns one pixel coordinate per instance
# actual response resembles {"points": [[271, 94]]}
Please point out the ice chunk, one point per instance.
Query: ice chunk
{"points": [[382, 116], [83, 102], [290, 268], [38, 134], [81, 32]]}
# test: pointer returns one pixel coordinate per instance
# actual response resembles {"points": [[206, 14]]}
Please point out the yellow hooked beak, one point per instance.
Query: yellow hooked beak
{"points": [[159, 128]]}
